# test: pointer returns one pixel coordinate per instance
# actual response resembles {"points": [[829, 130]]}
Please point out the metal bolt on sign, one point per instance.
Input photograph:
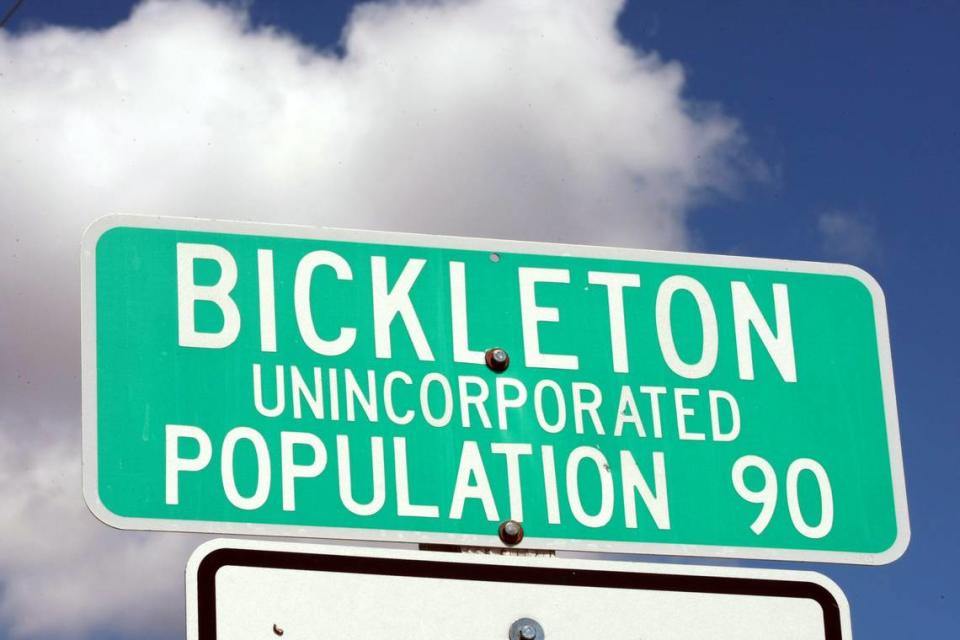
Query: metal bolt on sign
{"points": [[511, 532], [497, 359], [526, 629]]}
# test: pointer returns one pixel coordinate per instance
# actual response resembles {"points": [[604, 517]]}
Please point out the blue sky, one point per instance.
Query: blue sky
{"points": [[853, 151]]}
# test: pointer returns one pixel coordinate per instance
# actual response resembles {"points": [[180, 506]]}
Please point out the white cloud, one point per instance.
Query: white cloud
{"points": [[64, 573], [529, 120], [848, 236]]}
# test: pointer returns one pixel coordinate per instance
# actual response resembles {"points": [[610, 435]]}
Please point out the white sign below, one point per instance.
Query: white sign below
{"points": [[239, 590]]}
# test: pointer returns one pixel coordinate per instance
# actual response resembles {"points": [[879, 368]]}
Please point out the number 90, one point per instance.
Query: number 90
{"points": [[767, 494]]}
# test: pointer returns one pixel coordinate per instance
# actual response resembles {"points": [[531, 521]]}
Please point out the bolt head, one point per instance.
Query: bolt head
{"points": [[511, 532], [526, 629], [497, 359]]}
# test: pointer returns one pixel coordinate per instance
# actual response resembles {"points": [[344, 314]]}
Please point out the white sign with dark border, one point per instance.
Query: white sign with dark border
{"points": [[239, 589]]}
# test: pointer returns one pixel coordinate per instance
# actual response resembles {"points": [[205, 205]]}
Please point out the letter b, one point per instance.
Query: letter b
{"points": [[189, 292]]}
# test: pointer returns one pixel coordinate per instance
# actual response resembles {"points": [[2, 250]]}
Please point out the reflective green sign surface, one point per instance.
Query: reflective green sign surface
{"points": [[245, 378]]}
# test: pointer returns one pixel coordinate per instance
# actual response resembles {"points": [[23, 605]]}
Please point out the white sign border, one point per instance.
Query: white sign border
{"points": [[545, 562], [89, 390]]}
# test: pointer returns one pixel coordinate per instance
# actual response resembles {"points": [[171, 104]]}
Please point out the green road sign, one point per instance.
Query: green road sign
{"points": [[281, 380]]}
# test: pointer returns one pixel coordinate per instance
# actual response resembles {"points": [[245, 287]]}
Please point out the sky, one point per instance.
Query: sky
{"points": [[813, 131]]}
